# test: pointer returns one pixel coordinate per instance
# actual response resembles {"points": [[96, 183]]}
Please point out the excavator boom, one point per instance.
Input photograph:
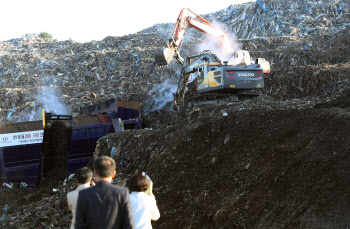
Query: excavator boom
{"points": [[188, 18]]}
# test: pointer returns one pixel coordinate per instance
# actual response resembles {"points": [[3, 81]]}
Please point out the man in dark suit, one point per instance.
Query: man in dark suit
{"points": [[104, 205]]}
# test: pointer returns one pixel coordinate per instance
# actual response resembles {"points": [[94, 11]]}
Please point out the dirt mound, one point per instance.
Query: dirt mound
{"points": [[9, 196], [44, 207], [342, 102], [253, 169], [21, 127], [54, 149], [52, 180]]}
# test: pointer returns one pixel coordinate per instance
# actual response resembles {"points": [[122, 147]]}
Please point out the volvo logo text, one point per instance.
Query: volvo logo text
{"points": [[245, 74]]}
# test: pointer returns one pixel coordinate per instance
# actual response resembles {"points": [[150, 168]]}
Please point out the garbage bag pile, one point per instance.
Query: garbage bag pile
{"points": [[301, 50], [79, 74], [266, 18]]}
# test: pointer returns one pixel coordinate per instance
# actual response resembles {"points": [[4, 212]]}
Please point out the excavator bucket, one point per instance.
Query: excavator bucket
{"points": [[164, 56]]}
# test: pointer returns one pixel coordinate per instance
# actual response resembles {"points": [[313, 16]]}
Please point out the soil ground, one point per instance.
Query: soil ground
{"points": [[251, 169]]}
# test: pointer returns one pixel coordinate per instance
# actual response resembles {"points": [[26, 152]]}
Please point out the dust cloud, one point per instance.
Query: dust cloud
{"points": [[48, 99], [161, 94], [213, 44], [51, 102]]}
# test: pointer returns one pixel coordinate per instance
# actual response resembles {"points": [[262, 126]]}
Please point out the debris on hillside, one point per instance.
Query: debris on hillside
{"points": [[267, 18], [255, 163], [122, 67], [80, 74]]}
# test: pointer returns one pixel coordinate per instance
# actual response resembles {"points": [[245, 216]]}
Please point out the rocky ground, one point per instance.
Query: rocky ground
{"points": [[280, 160]]}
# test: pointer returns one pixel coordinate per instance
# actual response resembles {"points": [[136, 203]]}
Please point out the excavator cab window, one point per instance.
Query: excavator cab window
{"points": [[188, 61], [200, 75], [205, 59]]}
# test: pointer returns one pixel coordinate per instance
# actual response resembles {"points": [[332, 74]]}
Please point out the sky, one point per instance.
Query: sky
{"points": [[86, 20]]}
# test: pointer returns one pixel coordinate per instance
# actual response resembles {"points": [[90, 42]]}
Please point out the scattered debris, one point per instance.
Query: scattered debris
{"points": [[199, 156]]}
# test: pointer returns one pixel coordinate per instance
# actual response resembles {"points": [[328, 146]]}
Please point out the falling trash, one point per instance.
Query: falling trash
{"points": [[6, 185]]}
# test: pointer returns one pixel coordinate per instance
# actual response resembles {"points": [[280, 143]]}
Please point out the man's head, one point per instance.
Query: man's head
{"points": [[138, 183], [104, 167], [83, 175]]}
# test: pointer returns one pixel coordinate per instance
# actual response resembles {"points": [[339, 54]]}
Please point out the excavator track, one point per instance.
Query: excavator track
{"points": [[215, 98]]}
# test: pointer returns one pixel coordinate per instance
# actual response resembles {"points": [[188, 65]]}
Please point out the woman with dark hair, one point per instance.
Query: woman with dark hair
{"points": [[144, 206]]}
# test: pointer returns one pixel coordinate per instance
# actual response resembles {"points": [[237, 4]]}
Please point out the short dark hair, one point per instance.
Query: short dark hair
{"points": [[83, 175], [138, 183], [104, 166]]}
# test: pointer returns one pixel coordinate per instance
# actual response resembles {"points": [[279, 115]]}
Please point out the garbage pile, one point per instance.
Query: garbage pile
{"points": [[266, 18], [307, 43], [293, 34], [303, 64], [79, 74]]}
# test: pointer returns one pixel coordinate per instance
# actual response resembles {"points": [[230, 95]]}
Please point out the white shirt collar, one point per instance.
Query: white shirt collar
{"points": [[82, 186]]}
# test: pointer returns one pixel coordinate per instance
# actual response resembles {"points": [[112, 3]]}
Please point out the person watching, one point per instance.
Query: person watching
{"points": [[144, 206], [104, 205], [83, 180]]}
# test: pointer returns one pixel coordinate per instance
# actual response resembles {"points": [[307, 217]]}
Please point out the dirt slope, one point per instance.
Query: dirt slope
{"points": [[253, 169]]}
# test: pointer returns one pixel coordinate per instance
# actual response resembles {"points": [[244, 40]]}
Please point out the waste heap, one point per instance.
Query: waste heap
{"points": [[267, 18], [307, 43], [302, 35], [79, 74]]}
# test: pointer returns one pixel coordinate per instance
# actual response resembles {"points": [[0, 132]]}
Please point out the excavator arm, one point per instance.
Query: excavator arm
{"points": [[188, 18]]}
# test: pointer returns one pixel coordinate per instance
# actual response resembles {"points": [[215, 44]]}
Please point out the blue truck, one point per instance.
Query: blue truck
{"points": [[31, 150]]}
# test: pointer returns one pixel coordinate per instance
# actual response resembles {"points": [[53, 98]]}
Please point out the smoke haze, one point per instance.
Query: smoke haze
{"points": [[51, 102], [48, 99], [161, 95], [213, 44]]}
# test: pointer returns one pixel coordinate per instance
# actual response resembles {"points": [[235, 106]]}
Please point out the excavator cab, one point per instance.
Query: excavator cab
{"points": [[242, 57]]}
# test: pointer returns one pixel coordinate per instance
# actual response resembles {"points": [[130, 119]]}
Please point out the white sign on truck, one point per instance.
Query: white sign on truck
{"points": [[21, 138]]}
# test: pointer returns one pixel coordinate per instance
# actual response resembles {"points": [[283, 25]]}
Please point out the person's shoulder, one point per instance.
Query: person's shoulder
{"points": [[85, 191], [142, 195], [119, 188], [72, 193], [148, 196]]}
